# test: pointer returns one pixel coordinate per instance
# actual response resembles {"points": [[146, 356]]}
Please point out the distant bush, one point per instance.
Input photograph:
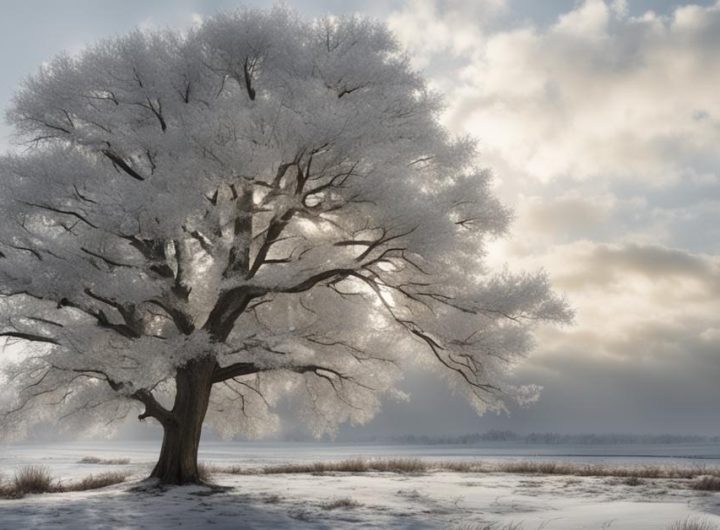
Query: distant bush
{"points": [[550, 438]]}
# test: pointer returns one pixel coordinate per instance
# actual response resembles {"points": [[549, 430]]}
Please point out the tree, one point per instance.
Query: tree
{"points": [[259, 207]]}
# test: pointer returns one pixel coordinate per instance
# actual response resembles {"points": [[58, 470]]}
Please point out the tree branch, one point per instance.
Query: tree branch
{"points": [[153, 408], [30, 337]]}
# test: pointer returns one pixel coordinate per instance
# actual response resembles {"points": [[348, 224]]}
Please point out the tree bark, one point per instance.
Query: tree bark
{"points": [[178, 462]]}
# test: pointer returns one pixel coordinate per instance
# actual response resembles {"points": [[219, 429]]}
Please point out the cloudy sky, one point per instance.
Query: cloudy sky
{"points": [[601, 121]]}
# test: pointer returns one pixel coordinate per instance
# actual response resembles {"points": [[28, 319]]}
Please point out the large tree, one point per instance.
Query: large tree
{"points": [[262, 206]]}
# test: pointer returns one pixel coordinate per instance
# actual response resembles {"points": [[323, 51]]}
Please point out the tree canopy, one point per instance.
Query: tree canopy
{"points": [[270, 196]]}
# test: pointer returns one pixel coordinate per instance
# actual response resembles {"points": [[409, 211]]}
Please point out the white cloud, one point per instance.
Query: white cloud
{"points": [[430, 28], [588, 21], [596, 94]]}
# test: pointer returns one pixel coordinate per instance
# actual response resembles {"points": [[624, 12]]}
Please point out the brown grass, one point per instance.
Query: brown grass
{"points": [[706, 477], [492, 526], [344, 503], [355, 465], [633, 481], [603, 470], [37, 479], [104, 461], [272, 499], [693, 524], [463, 467], [32, 479], [707, 483], [94, 482], [205, 471]]}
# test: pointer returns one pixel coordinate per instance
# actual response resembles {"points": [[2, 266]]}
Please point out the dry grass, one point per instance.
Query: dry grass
{"points": [[707, 483], [104, 461], [93, 482], [37, 479], [463, 467], [603, 470], [491, 526], [32, 479], [205, 471], [633, 481], [707, 478], [344, 503], [272, 499], [355, 465], [693, 524]]}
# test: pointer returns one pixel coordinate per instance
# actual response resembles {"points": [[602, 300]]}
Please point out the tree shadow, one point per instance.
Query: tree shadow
{"points": [[193, 507]]}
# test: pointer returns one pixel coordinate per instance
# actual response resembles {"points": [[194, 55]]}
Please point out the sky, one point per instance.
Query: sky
{"points": [[601, 121]]}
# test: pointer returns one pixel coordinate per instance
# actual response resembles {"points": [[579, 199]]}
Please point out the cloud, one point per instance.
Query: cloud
{"points": [[643, 353], [659, 379], [432, 28], [566, 214], [618, 290], [644, 344], [585, 265], [596, 94]]}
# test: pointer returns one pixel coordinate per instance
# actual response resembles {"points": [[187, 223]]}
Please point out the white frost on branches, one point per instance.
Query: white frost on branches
{"points": [[271, 193]]}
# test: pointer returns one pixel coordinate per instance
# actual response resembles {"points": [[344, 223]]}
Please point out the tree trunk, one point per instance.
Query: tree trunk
{"points": [[178, 462]]}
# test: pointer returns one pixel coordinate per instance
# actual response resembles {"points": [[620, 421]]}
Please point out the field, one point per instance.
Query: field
{"points": [[364, 487]]}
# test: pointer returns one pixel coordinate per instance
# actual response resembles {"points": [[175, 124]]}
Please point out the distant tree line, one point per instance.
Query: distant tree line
{"points": [[547, 438]]}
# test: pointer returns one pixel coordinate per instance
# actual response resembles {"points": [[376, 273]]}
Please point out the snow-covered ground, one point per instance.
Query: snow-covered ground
{"points": [[373, 500]]}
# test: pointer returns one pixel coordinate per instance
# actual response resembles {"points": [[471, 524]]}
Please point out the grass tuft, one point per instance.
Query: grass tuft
{"points": [[633, 481], [32, 479], [693, 524], [104, 461], [272, 499], [205, 471], [706, 483], [344, 504], [93, 482], [37, 479]]}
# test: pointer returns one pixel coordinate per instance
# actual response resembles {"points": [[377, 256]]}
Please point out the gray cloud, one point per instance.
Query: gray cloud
{"points": [[604, 265]]}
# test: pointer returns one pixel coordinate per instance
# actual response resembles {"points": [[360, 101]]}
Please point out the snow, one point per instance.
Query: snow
{"points": [[384, 500], [437, 500]]}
